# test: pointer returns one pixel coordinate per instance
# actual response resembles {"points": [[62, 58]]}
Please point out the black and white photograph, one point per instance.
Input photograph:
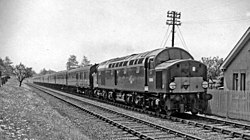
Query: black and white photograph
{"points": [[124, 69]]}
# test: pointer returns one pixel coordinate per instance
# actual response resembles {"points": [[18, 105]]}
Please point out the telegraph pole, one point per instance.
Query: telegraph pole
{"points": [[173, 20]]}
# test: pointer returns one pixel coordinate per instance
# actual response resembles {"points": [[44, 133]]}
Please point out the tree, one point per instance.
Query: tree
{"points": [[85, 62], [22, 72], [5, 66], [1, 62], [213, 66], [44, 71], [72, 62], [2, 67], [8, 66]]}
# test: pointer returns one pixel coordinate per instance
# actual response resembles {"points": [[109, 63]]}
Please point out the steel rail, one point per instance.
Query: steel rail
{"points": [[225, 122], [121, 126], [231, 133]]}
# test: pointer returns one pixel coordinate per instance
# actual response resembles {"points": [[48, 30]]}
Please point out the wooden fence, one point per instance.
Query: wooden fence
{"points": [[230, 104]]}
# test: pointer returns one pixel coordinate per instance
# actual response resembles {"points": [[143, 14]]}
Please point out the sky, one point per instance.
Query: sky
{"points": [[44, 33]]}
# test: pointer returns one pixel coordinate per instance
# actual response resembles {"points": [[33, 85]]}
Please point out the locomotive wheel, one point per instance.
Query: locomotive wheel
{"points": [[105, 94], [143, 105], [158, 111], [144, 108], [169, 112], [194, 112], [113, 100]]}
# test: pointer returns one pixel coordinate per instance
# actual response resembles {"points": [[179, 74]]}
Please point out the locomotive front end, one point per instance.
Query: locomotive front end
{"points": [[187, 86], [182, 81]]}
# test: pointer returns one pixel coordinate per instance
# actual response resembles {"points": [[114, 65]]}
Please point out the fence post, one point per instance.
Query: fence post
{"points": [[227, 103]]}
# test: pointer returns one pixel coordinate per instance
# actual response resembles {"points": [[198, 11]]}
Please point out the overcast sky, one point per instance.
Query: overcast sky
{"points": [[44, 33]]}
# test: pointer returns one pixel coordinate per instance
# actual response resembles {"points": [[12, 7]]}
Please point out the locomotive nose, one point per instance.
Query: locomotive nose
{"points": [[189, 76]]}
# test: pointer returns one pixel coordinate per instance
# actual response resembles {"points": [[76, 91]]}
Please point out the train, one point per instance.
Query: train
{"points": [[165, 80]]}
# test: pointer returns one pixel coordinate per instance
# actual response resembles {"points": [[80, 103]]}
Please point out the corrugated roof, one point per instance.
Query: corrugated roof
{"points": [[236, 50]]}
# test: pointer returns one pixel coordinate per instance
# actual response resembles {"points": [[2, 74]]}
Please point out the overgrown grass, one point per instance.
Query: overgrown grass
{"points": [[24, 115]]}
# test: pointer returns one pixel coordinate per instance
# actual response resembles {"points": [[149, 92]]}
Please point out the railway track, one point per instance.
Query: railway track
{"points": [[229, 128], [137, 128]]}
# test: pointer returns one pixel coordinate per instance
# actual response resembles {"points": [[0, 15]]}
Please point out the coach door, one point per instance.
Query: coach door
{"points": [[115, 76], [146, 74], [77, 79], [55, 79], [66, 78], [158, 79]]}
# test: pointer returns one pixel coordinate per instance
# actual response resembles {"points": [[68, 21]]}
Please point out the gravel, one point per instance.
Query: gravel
{"points": [[78, 125], [89, 125]]}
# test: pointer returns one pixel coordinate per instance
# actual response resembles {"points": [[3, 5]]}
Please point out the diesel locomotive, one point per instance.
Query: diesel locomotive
{"points": [[165, 80]]}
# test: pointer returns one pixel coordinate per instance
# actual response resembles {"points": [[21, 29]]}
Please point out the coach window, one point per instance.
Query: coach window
{"points": [[80, 75], [137, 69], [125, 71], [111, 72], [113, 65], [235, 81], [77, 76], [85, 75], [117, 64], [110, 65]]}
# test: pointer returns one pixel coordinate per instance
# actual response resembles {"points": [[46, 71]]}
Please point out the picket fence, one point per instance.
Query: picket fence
{"points": [[230, 104]]}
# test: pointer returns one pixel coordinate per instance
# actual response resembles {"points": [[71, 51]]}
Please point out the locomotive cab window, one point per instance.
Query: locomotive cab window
{"points": [[151, 63]]}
